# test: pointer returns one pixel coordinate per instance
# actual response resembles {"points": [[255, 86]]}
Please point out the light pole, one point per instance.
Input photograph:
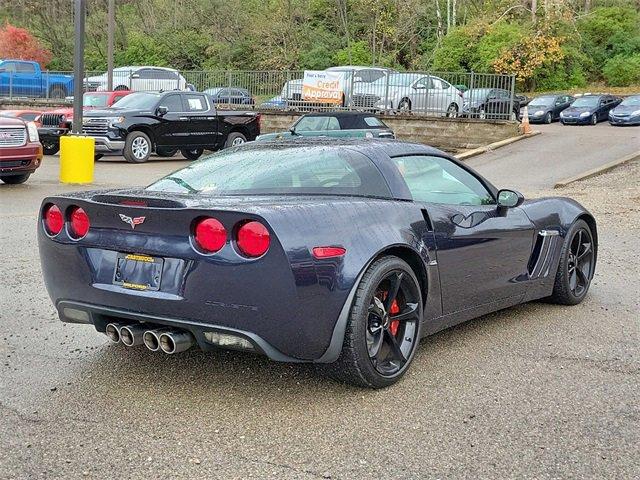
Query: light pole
{"points": [[78, 65], [110, 32]]}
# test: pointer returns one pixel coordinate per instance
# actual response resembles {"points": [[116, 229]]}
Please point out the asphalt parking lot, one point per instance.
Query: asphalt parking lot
{"points": [[535, 391]]}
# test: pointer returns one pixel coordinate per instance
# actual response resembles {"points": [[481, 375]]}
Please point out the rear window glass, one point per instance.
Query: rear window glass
{"points": [[374, 122], [279, 170]]}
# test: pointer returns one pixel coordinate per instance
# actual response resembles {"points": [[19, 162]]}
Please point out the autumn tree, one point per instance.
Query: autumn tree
{"points": [[19, 43]]}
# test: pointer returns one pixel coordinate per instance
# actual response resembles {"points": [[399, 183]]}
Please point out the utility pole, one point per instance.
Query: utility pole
{"points": [[110, 32], [78, 65]]}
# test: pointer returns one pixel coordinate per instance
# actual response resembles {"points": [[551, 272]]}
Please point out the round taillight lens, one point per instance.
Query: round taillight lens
{"points": [[210, 235], [79, 221], [53, 220], [253, 239]]}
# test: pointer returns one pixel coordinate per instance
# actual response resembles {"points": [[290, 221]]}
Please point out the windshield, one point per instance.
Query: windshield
{"points": [[631, 101], [139, 101], [278, 169], [586, 102], [399, 79], [94, 100], [542, 102]]}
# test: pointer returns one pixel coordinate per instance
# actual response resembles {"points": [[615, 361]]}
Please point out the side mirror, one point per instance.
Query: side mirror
{"points": [[135, 75], [509, 199], [293, 131], [161, 111]]}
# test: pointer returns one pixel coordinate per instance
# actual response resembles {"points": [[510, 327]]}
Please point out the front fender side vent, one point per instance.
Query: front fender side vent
{"points": [[542, 255]]}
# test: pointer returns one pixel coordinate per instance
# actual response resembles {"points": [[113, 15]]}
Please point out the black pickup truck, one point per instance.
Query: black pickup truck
{"points": [[144, 122]]}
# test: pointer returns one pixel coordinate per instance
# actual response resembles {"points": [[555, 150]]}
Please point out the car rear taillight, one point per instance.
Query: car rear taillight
{"points": [[79, 223], [53, 219], [253, 239], [328, 252], [209, 235]]}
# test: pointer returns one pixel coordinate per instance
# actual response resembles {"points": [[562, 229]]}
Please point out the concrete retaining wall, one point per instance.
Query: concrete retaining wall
{"points": [[445, 133]]}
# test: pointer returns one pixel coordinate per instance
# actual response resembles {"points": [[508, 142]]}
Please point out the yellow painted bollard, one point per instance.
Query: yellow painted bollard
{"points": [[76, 159]]}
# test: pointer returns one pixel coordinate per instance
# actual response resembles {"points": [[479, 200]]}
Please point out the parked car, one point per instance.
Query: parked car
{"points": [[187, 121], [342, 253], [411, 92], [335, 124], [276, 103], [26, 115], [55, 123], [493, 103], [26, 79], [589, 109], [627, 112], [230, 96], [547, 108], [139, 79], [20, 150]]}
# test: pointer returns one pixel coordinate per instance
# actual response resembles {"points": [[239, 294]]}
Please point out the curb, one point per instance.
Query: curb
{"points": [[495, 145], [597, 170]]}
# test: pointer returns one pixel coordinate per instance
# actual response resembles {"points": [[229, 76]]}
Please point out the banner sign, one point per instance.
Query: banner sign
{"points": [[323, 87]]}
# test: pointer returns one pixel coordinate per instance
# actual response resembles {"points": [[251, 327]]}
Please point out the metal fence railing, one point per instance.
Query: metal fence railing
{"points": [[484, 96]]}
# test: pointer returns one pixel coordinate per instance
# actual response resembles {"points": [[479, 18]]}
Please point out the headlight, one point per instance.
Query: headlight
{"points": [[115, 120], [538, 113], [32, 130], [637, 112], [585, 114]]}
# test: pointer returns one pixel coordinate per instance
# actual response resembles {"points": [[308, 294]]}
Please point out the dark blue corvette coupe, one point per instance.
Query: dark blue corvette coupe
{"points": [[339, 252]]}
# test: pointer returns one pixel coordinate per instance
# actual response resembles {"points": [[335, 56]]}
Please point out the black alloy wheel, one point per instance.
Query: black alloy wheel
{"points": [[576, 267], [383, 327], [392, 323], [580, 262]]}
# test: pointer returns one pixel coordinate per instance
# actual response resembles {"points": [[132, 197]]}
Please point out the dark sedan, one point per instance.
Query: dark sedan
{"points": [[627, 113], [338, 252], [547, 108], [589, 109], [230, 96], [496, 103]]}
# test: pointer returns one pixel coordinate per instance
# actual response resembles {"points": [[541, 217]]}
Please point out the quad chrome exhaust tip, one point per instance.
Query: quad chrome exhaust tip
{"points": [[151, 338], [112, 330], [176, 341], [131, 335]]}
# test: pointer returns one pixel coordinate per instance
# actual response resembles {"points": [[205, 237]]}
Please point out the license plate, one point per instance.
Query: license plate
{"points": [[138, 272]]}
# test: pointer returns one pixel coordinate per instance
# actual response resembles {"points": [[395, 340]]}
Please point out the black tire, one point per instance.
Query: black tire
{"points": [[576, 266], [119, 88], [97, 156], [57, 91], [404, 105], [452, 111], [15, 179], [235, 139], [167, 152], [594, 119], [50, 147], [192, 154], [137, 147], [355, 364], [548, 118]]}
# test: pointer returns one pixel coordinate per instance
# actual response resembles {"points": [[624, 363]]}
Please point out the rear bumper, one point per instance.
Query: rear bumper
{"points": [[100, 316], [20, 160]]}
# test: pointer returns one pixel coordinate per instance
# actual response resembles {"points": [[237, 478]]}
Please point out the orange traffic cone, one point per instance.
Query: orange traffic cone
{"points": [[526, 126]]}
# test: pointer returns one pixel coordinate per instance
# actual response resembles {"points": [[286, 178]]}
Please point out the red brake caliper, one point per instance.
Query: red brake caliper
{"points": [[394, 310]]}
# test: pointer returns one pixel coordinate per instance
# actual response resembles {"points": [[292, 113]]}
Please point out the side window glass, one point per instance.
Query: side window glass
{"points": [[9, 66], [196, 103], [333, 124], [173, 103], [438, 180]]}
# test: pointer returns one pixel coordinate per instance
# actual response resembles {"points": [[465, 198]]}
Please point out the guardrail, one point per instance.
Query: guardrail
{"points": [[474, 95]]}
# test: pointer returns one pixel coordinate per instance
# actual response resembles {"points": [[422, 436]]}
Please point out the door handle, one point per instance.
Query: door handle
{"points": [[183, 118]]}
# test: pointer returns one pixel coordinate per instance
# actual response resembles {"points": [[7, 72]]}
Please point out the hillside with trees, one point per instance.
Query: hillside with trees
{"points": [[547, 44]]}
